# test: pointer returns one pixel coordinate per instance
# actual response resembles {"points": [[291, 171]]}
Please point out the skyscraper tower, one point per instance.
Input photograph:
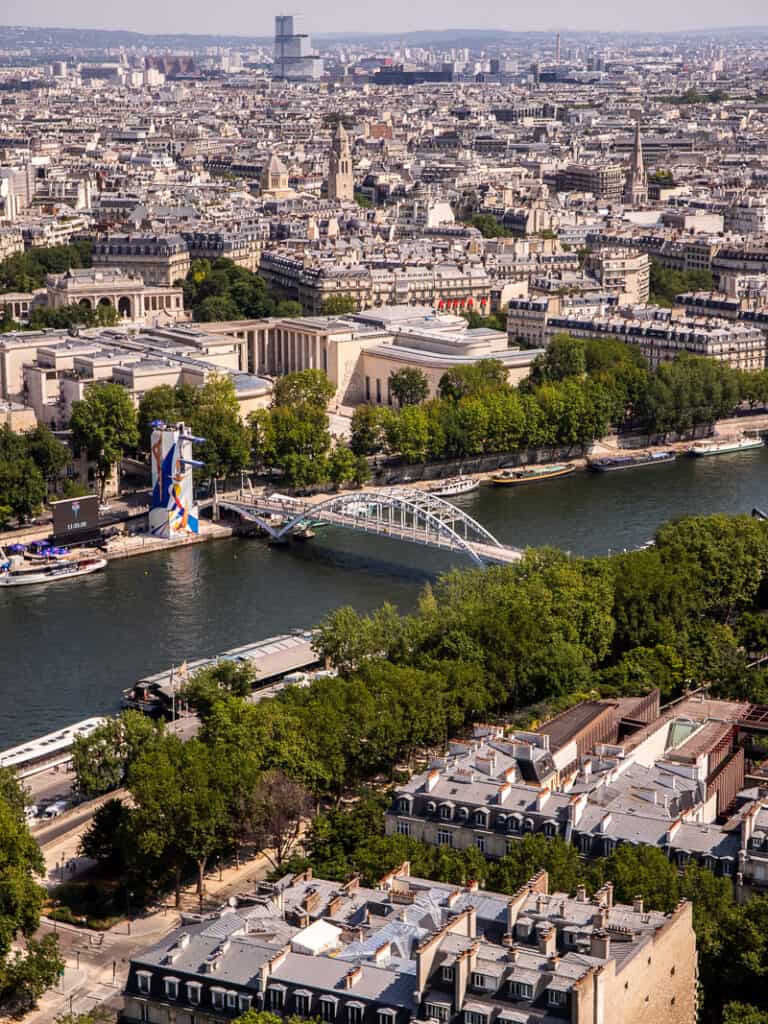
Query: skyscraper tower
{"points": [[341, 183], [636, 186], [557, 48], [294, 57]]}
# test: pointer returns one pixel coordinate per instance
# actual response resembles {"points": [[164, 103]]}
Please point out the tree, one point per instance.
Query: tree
{"points": [[488, 225], [167, 404], [295, 439], [48, 454], [305, 387], [209, 684], [102, 759], [339, 305], [98, 1015], [104, 424], [345, 467], [409, 385], [279, 807], [258, 1017], [533, 852], [22, 489], [565, 357], [480, 378], [744, 1013], [367, 429], [216, 418], [180, 814], [23, 975]]}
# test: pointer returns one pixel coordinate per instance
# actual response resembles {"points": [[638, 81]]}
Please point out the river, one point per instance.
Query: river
{"points": [[69, 650]]}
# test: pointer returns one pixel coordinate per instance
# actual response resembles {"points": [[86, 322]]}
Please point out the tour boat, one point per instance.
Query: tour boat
{"points": [[453, 486], [529, 475], [741, 444], [16, 575], [613, 463]]}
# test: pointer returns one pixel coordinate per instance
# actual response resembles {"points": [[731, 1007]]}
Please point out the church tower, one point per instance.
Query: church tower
{"points": [[341, 183], [636, 187]]}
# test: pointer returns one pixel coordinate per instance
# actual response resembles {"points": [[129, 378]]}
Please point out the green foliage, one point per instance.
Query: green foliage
{"points": [[28, 462], [409, 385], [222, 290], [208, 684], [75, 315], [693, 96], [367, 429], [488, 225], [304, 387], [339, 305], [99, 1015], [479, 379], [104, 424], [169, 404], [215, 416], [23, 976], [102, 758], [565, 357], [48, 454], [25, 271], [346, 467], [666, 283]]}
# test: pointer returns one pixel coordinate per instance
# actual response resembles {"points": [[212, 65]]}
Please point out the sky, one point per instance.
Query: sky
{"points": [[244, 17]]}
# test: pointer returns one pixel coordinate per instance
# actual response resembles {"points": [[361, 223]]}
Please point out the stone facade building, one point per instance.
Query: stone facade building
{"points": [[412, 949], [161, 260]]}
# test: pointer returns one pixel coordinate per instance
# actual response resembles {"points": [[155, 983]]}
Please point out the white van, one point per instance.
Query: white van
{"points": [[55, 809]]}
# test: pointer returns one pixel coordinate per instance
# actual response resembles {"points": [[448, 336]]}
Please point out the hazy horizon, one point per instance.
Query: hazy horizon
{"points": [[240, 18]]}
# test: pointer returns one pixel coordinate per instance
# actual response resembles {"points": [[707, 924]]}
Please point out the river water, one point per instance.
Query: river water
{"points": [[67, 651]]}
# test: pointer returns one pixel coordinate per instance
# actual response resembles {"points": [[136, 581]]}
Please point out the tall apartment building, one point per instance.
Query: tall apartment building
{"points": [[625, 271], [413, 949], [160, 259], [294, 57]]}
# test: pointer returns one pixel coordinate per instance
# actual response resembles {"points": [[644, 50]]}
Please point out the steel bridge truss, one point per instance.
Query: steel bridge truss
{"points": [[406, 514]]}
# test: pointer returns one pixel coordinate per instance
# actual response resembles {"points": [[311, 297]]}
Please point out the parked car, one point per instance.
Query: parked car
{"points": [[55, 809]]}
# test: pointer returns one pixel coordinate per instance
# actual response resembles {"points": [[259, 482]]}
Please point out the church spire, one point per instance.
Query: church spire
{"points": [[636, 187]]}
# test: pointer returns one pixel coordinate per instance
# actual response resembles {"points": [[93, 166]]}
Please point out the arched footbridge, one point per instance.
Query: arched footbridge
{"points": [[406, 514]]}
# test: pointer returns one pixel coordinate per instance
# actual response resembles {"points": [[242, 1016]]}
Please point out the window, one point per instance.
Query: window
{"points": [[404, 805], [471, 1017], [444, 838], [480, 843], [171, 986], [481, 818], [327, 1009], [478, 980], [378, 390], [385, 1016], [404, 828], [276, 998], [193, 992], [513, 824], [354, 1013], [555, 997], [217, 997], [727, 867], [521, 989], [244, 1003], [367, 389], [301, 1002], [550, 829], [231, 1000], [447, 974], [144, 980], [438, 1011], [445, 812]]}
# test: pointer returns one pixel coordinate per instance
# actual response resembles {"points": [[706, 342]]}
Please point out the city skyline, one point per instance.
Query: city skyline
{"points": [[346, 16]]}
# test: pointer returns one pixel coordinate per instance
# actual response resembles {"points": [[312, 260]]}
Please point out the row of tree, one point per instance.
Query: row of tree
{"points": [[26, 271], [574, 393]]}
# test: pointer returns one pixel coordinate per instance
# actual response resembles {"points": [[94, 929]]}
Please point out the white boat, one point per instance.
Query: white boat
{"points": [[21, 576], [742, 444], [453, 486]]}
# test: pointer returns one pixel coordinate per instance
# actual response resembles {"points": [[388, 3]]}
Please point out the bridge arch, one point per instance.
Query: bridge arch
{"points": [[401, 513]]}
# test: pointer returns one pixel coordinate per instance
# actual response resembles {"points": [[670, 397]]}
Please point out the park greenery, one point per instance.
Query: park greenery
{"points": [[29, 464], [29, 967], [26, 271], [339, 305], [103, 424], [520, 641], [489, 226], [64, 318], [222, 290]]}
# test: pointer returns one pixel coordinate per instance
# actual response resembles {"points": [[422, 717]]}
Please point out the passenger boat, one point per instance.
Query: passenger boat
{"points": [[613, 463], [453, 486], [14, 574], [531, 474], [741, 444]]}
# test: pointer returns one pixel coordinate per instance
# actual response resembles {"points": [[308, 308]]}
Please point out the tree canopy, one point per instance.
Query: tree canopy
{"points": [[104, 424]]}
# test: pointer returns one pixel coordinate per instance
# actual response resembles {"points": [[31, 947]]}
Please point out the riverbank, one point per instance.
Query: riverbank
{"points": [[143, 544]]}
